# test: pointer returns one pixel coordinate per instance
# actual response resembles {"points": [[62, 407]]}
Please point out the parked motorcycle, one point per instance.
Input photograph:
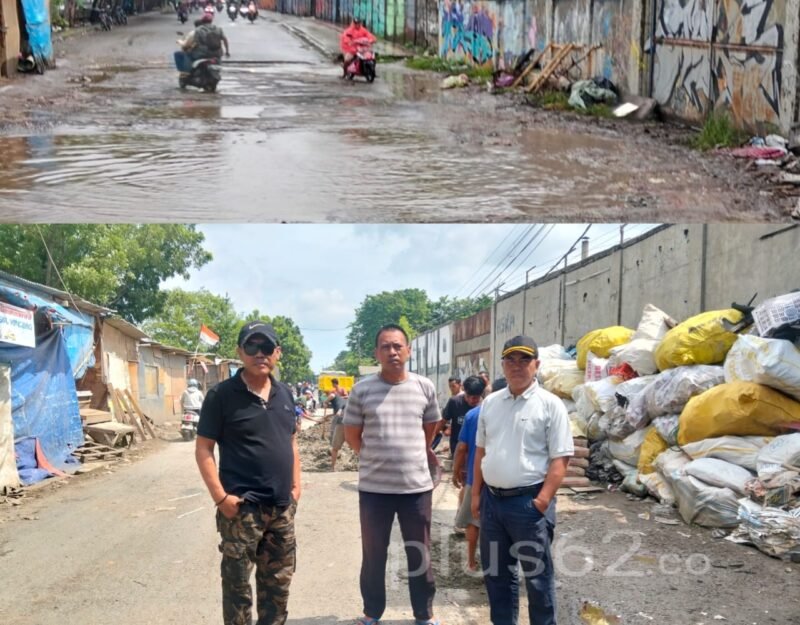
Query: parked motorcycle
{"points": [[120, 17], [189, 423], [233, 11], [204, 74], [220, 6], [252, 12], [243, 10], [363, 63]]}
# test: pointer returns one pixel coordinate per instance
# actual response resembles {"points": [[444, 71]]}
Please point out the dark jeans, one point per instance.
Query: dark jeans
{"points": [[513, 530], [377, 516]]}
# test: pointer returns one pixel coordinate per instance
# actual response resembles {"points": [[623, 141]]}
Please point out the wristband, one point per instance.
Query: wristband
{"points": [[219, 503]]}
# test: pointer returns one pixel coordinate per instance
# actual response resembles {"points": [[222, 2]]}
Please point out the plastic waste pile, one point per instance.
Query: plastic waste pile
{"points": [[703, 415]]}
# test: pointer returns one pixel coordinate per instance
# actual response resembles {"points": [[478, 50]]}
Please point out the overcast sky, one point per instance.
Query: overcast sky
{"points": [[319, 274]]}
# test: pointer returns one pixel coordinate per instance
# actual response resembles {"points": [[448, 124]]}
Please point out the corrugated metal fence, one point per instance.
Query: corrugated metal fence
{"points": [[402, 21]]}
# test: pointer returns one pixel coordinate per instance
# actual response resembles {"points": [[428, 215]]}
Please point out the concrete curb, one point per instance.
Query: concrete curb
{"points": [[310, 40]]}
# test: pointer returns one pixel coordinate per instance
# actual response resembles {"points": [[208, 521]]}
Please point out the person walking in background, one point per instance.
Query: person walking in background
{"points": [[523, 446], [337, 400], [389, 422], [256, 490], [463, 474]]}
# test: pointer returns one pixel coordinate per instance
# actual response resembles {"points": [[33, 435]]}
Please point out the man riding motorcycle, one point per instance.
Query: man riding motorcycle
{"points": [[351, 34], [192, 398], [206, 40]]}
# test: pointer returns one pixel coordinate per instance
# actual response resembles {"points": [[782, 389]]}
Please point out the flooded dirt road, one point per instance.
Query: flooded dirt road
{"points": [[109, 136]]}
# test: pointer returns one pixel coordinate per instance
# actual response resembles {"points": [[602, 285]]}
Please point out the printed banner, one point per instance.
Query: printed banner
{"points": [[16, 326]]}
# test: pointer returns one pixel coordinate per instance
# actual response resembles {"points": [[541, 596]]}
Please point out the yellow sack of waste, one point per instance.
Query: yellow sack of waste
{"points": [[736, 409], [564, 382], [600, 342], [652, 446], [700, 340]]}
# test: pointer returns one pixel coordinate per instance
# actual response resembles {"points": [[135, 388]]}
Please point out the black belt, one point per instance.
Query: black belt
{"points": [[533, 489]]}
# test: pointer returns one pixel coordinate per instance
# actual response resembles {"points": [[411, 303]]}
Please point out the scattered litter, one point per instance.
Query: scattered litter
{"points": [[592, 614], [665, 521], [624, 110], [643, 615], [462, 80], [756, 152], [584, 93]]}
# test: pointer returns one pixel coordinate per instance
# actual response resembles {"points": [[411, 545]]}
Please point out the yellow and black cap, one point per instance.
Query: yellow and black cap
{"points": [[522, 344]]}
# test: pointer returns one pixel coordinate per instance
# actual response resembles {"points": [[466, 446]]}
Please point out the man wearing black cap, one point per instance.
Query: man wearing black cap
{"points": [[523, 446], [251, 416]]}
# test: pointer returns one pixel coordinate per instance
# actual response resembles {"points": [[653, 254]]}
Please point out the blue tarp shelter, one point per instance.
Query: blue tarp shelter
{"points": [[44, 402], [37, 24]]}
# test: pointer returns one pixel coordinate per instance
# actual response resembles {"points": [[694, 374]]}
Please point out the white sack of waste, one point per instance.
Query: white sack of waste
{"points": [[719, 473], [772, 362], [740, 450]]}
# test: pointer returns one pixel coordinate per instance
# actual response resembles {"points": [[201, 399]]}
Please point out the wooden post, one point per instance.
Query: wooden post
{"points": [[131, 414], [132, 401], [120, 413]]}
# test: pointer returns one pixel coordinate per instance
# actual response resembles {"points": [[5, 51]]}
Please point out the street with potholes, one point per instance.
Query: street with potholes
{"points": [[108, 135], [134, 543]]}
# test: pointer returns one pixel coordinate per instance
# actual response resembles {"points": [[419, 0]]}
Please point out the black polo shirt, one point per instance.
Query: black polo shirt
{"points": [[256, 459]]}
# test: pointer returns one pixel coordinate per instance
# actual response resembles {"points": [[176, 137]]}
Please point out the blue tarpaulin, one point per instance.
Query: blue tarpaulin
{"points": [[44, 403], [78, 328], [37, 23]]}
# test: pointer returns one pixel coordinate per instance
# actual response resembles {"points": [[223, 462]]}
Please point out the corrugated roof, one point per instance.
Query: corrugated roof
{"points": [[126, 327], [67, 299]]}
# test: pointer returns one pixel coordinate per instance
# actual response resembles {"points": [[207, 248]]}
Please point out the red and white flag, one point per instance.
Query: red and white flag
{"points": [[207, 336]]}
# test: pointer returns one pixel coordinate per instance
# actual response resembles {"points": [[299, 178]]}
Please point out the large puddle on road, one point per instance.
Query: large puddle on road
{"points": [[377, 175], [307, 147]]}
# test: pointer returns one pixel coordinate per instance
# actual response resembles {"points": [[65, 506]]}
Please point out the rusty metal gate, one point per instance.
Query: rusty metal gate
{"points": [[720, 54]]}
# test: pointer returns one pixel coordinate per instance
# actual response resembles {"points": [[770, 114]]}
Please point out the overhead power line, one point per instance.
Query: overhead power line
{"points": [[491, 254]]}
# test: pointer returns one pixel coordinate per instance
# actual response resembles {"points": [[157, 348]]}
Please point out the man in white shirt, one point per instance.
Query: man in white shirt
{"points": [[523, 447]]}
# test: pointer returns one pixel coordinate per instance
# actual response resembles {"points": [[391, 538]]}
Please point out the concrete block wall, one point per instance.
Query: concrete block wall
{"points": [[682, 269]]}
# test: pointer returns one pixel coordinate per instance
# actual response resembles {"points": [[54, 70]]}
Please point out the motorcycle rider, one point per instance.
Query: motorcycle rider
{"points": [[206, 40], [192, 398], [351, 34]]}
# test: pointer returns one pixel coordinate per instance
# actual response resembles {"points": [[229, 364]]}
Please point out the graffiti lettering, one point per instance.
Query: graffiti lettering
{"points": [[695, 79], [463, 37]]}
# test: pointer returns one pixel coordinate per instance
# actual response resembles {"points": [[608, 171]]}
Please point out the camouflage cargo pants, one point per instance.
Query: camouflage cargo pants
{"points": [[264, 536]]}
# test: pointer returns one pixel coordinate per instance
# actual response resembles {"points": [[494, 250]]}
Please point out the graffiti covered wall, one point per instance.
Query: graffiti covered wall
{"points": [[467, 31], [692, 56], [728, 54]]}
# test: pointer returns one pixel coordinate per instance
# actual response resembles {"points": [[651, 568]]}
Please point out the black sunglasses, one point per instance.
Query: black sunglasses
{"points": [[266, 348]]}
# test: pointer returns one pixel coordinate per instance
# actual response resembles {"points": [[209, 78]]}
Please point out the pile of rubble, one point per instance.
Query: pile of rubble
{"points": [[315, 451]]}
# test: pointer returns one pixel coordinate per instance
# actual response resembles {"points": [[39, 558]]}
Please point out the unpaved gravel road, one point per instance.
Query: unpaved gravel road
{"points": [[135, 545]]}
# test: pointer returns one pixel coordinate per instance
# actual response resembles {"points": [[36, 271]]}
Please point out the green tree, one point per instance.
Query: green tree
{"points": [[349, 362], [386, 307], [445, 310], [178, 323], [120, 266]]}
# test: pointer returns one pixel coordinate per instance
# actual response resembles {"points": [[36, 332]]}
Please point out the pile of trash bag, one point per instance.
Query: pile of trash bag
{"points": [[585, 93], [702, 414]]}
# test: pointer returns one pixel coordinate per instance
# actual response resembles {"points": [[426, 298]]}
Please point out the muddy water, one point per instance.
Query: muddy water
{"points": [[293, 142]]}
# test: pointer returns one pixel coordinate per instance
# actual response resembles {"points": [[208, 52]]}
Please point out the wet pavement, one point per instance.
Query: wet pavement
{"points": [[109, 136]]}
